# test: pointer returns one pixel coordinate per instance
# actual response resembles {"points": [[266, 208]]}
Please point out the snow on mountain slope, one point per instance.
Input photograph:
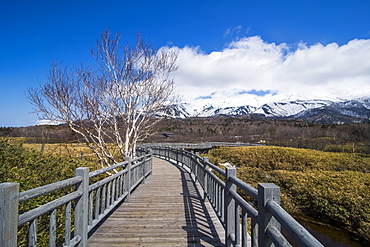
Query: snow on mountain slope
{"points": [[312, 110], [348, 111], [184, 110], [290, 108], [230, 110]]}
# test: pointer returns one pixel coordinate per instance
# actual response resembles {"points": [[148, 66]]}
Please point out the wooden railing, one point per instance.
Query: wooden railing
{"points": [[88, 204], [199, 145], [83, 208], [233, 211]]}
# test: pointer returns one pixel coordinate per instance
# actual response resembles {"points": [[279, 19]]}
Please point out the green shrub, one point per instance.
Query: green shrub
{"points": [[291, 159], [33, 169], [340, 198], [331, 187]]}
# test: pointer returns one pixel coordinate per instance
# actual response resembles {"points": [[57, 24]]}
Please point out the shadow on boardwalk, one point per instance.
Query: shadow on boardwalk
{"points": [[168, 210], [200, 226]]}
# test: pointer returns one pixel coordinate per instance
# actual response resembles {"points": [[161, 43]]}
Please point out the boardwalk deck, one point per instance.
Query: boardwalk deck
{"points": [[168, 210]]}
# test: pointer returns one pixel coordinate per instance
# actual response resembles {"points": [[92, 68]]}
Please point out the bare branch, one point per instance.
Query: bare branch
{"points": [[118, 103]]}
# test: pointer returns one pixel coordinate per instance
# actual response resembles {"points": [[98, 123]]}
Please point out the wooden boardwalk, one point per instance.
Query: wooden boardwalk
{"points": [[168, 210]]}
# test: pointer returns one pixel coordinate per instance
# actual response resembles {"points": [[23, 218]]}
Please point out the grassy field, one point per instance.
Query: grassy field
{"points": [[71, 150], [21, 163], [334, 188], [66, 149]]}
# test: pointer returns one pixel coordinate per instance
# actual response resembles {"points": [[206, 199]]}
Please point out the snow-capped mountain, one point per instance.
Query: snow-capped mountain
{"points": [[185, 110], [290, 108], [325, 111], [210, 110], [348, 111]]}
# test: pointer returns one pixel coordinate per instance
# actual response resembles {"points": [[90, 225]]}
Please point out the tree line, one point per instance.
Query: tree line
{"points": [[288, 133], [349, 138]]}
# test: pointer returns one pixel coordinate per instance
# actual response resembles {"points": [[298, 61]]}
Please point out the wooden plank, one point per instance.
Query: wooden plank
{"points": [[168, 210]]}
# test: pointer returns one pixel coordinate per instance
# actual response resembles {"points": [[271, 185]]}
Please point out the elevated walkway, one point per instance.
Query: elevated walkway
{"points": [[152, 202], [201, 146], [168, 210]]}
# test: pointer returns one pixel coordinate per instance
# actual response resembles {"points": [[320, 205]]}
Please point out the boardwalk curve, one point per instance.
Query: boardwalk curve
{"points": [[168, 210]]}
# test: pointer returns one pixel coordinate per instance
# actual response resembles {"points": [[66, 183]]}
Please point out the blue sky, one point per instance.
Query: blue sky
{"points": [[282, 36]]}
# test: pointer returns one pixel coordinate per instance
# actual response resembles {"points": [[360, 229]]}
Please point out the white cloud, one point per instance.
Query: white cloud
{"points": [[236, 31], [307, 72]]}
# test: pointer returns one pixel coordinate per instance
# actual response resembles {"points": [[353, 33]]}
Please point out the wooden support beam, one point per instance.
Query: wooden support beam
{"points": [[9, 198], [266, 192]]}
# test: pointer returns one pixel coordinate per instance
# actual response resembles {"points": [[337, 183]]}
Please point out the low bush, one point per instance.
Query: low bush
{"points": [[33, 169], [291, 159], [331, 187]]}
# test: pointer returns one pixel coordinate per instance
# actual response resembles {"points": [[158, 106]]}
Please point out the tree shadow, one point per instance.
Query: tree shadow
{"points": [[200, 228]]}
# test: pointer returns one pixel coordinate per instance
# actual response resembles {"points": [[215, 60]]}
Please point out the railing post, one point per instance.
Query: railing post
{"points": [[195, 165], [266, 192], [81, 209], [128, 179], [229, 206], [205, 179], [254, 232], [182, 157], [151, 162], [143, 165], [9, 199]]}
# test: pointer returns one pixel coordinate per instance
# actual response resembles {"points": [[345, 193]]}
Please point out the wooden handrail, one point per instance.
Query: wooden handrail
{"points": [[91, 202], [94, 202], [39, 191], [233, 209], [300, 234]]}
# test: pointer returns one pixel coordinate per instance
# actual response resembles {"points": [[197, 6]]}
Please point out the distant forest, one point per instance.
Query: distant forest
{"points": [[349, 138]]}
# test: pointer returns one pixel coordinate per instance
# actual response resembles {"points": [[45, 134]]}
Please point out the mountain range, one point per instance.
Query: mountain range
{"points": [[320, 111]]}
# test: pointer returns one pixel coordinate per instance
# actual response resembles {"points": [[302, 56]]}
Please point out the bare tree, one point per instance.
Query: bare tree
{"points": [[118, 103]]}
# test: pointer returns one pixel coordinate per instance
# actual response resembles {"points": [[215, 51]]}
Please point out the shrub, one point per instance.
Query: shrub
{"points": [[291, 159], [331, 187], [33, 169]]}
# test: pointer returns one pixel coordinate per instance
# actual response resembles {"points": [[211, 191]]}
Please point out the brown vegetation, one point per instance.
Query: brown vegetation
{"points": [[348, 138], [331, 187]]}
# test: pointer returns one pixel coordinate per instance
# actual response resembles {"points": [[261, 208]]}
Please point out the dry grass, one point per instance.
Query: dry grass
{"points": [[70, 150]]}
